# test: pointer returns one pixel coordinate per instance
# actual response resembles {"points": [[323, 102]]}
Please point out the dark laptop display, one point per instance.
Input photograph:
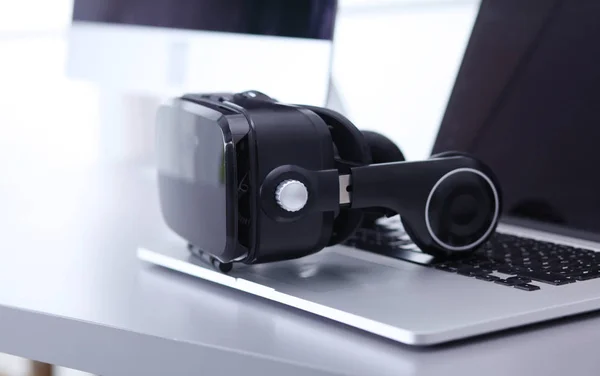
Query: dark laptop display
{"points": [[527, 102]]}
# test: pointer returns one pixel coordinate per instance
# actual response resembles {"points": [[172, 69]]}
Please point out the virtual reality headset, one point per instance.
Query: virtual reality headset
{"points": [[245, 178]]}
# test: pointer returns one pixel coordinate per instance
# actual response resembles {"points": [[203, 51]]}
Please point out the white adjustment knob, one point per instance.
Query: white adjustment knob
{"points": [[291, 195]]}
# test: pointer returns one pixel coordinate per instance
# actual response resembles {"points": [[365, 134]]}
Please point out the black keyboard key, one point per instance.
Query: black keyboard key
{"points": [[578, 269], [512, 270], [549, 278], [487, 277], [456, 264], [467, 261], [351, 243], [584, 275], [585, 265], [470, 271], [518, 280], [527, 287], [504, 269], [487, 265], [503, 282], [578, 266], [564, 273], [524, 268], [559, 269]]}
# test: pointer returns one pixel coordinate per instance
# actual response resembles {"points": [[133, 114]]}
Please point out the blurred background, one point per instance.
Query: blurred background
{"points": [[73, 96]]}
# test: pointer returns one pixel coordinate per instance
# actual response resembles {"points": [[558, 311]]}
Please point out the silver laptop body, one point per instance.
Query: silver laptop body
{"points": [[403, 301]]}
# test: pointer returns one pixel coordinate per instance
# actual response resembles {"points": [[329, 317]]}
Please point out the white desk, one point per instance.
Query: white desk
{"points": [[72, 293]]}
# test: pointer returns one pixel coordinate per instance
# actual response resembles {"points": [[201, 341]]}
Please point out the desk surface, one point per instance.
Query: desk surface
{"points": [[77, 197]]}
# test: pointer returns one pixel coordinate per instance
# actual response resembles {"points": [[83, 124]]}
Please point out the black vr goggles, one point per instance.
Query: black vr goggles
{"points": [[244, 178]]}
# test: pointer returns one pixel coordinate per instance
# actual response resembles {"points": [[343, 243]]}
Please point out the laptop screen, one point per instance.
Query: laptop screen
{"points": [[527, 102]]}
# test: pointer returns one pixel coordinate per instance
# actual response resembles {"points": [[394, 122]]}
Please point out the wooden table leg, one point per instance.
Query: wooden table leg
{"points": [[41, 369]]}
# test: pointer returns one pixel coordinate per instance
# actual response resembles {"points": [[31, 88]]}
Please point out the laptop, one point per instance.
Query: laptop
{"points": [[525, 102], [165, 47]]}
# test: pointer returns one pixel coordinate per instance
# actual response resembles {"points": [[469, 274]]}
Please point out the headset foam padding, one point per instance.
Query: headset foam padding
{"points": [[382, 149], [349, 140], [407, 228], [489, 173], [351, 146], [444, 154]]}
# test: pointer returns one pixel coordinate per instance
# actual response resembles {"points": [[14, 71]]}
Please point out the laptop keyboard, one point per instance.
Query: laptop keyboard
{"points": [[507, 260]]}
